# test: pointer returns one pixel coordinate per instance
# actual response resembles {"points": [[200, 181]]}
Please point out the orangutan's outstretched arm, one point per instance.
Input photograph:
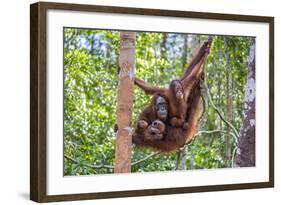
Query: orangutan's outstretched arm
{"points": [[195, 76], [203, 51], [150, 89]]}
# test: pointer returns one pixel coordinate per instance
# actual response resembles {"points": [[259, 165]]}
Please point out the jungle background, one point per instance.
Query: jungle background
{"points": [[91, 59]]}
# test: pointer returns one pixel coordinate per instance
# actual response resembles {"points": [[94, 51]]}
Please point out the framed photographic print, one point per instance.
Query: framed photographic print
{"points": [[134, 102]]}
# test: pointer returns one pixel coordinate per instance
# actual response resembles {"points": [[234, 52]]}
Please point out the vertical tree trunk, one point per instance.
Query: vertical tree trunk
{"points": [[195, 44], [228, 147], [181, 158], [184, 53], [163, 46], [125, 102], [156, 57], [218, 62], [246, 144], [92, 41]]}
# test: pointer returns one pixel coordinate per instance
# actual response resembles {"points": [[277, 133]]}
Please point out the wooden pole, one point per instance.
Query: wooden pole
{"points": [[125, 102]]}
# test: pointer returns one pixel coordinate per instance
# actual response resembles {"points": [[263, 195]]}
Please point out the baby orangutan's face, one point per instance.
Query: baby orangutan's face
{"points": [[157, 125], [155, 131], [177, 89]]}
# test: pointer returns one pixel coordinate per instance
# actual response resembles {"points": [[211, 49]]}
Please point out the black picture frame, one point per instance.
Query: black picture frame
{"points": [[38, 102]]}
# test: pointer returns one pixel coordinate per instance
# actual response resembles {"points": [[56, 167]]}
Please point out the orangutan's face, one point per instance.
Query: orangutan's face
{"points": [[161, 108], [177, 88]]}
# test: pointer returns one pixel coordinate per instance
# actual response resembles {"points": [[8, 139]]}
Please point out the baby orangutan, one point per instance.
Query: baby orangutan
{"points": [[158, 109], [154, 131], [150, 124]]}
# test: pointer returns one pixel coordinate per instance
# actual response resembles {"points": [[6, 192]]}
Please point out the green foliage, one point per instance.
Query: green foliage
{"points": [[90, 96], [90, 82]]}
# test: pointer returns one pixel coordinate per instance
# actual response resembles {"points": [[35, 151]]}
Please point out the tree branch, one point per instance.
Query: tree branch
{"points": [[233, 156], [218, 111], [100, 166], [216, 131], [209, 132], [147, 157]]}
